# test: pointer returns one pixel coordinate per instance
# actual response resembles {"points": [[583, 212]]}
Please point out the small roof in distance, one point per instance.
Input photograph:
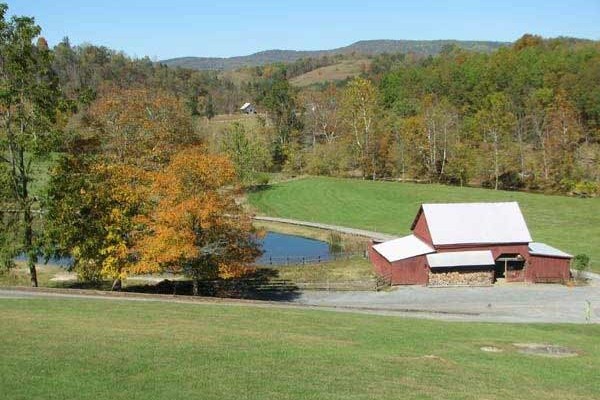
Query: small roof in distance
{"points": [[542, 249], [402, 248], [246, 105], [472, 223], [460, 259]]}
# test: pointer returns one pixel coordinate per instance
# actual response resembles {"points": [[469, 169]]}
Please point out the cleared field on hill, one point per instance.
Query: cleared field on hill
{"points": [[570, 224], [99, 349], [335, 72]]}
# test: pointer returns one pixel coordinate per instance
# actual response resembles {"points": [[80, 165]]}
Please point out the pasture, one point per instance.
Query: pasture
{"points": [[116, 349], [571, 224], [331, 73]]}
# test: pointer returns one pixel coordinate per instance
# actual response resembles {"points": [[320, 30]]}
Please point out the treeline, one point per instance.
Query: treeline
{"points": [[84, 71], [524, 117]]}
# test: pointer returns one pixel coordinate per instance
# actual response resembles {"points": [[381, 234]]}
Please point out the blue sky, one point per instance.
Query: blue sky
{"points": [[173, 28]]}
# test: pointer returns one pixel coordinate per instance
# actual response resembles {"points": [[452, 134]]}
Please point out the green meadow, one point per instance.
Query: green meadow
{"points": [[109, 349], [571, 224]]}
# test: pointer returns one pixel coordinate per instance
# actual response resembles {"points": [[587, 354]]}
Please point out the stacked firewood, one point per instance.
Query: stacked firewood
{"points": [[455, 278]]}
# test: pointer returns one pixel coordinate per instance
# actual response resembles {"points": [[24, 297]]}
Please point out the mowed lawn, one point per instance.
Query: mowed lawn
{"points": [[98, 349], [571, 224]]}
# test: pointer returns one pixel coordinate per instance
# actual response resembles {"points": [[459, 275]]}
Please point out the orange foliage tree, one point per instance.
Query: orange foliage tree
{"points": [[100, 185], [195, 226]]}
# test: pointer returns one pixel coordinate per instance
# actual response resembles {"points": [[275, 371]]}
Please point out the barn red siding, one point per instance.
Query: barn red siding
{"points": [[548, 269], [411, 271], [381, 266], [421, 230]]}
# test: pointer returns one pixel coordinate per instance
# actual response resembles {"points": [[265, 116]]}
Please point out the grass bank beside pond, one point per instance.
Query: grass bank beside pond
{"points": [[571, 224], [110, 349]]}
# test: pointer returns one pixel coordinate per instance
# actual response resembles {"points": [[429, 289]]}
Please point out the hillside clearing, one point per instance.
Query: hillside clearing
{"points": [[571, 224], [331, 73], [90, 349]]}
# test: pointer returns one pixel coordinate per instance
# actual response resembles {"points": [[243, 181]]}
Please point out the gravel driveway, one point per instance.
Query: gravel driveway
{"points": [[508, 303]]}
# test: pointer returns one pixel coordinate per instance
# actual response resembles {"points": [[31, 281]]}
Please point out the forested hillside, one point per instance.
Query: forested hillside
{"points": [[365, 47], [525, 116]]}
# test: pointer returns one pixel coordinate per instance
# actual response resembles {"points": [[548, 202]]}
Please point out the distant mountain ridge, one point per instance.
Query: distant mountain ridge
{"points": [[366, 47]]}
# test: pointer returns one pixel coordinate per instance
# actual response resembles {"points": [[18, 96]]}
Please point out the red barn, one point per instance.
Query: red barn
{"points": [[468, 244]]}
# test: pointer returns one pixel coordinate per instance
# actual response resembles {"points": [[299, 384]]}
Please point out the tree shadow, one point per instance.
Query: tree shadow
{"points": [[260, 284], [259, 188]]}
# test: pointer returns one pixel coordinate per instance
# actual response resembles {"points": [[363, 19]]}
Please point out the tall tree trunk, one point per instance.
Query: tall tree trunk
{"points": [[496, 166], [196, 286], [117, 285], [27, 219]]}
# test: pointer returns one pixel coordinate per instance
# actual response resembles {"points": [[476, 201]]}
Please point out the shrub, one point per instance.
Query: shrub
{"points": [[581, 263]]}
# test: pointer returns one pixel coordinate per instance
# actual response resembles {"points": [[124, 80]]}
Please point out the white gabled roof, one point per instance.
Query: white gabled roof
{"points": [[246, 105], [542, 249], [471, 223], [402, 248], [460, 259]]}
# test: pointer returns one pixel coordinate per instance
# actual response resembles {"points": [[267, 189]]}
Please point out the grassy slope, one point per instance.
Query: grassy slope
{"points": [[335, 72], [568, 223], [93, 349]]}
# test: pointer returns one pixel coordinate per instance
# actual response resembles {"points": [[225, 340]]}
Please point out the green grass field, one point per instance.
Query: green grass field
{"points": [[571, 224], [98, 349]]}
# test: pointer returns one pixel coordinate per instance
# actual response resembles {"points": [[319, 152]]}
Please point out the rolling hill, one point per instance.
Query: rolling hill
{"points": [[365, 47]]}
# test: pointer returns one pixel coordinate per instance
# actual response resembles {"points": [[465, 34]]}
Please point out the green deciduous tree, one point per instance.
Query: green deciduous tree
{"points": [[29, 97]]}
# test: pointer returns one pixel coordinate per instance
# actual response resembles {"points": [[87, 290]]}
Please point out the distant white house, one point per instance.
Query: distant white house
{"points": [[248, 108]]}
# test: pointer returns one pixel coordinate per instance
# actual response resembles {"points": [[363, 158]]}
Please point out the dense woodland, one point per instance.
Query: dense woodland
{"points": [[118, 162]]}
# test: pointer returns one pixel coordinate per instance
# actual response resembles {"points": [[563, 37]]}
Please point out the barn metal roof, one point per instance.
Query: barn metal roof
{"points": [[460, 259], [542, 249], [246, 105], [402, 248], [472, 223]]}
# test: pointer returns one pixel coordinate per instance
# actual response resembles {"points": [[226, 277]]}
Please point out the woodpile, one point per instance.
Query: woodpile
{"points": [[456, 278]]}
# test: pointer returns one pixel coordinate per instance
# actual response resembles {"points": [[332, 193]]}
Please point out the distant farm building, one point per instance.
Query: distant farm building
{"points": [[248, 108], [468, 244]]}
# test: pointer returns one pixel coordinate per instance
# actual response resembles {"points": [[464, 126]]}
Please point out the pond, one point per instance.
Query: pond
{"points": [[281, 249], [278, 249], [61, 262]]}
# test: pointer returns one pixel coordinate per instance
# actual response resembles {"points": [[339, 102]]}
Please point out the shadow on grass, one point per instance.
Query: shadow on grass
{"points": [[259, 188], [262, 284]]}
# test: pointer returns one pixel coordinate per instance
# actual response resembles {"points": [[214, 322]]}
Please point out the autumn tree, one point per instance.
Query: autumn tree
{"points": [[90, 215], [28, 102], [196, 227], [322, 114], [564, 132], [359, 109], [496, 123], [441, 125], [99, 186]]}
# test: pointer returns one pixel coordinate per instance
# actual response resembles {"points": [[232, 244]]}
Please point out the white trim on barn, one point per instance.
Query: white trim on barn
{"points": [[402, 248]]}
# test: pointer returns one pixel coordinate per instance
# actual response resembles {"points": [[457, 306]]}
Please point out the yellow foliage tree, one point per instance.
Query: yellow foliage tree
{"points": [[195, 226]]}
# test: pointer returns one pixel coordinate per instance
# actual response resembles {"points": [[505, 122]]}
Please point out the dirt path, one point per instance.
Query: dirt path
{"points": [[336, 228]]}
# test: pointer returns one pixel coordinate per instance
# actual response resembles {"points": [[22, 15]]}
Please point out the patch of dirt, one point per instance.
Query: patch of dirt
{"points": [[64, 277], [491, 349], [545, 350]]}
